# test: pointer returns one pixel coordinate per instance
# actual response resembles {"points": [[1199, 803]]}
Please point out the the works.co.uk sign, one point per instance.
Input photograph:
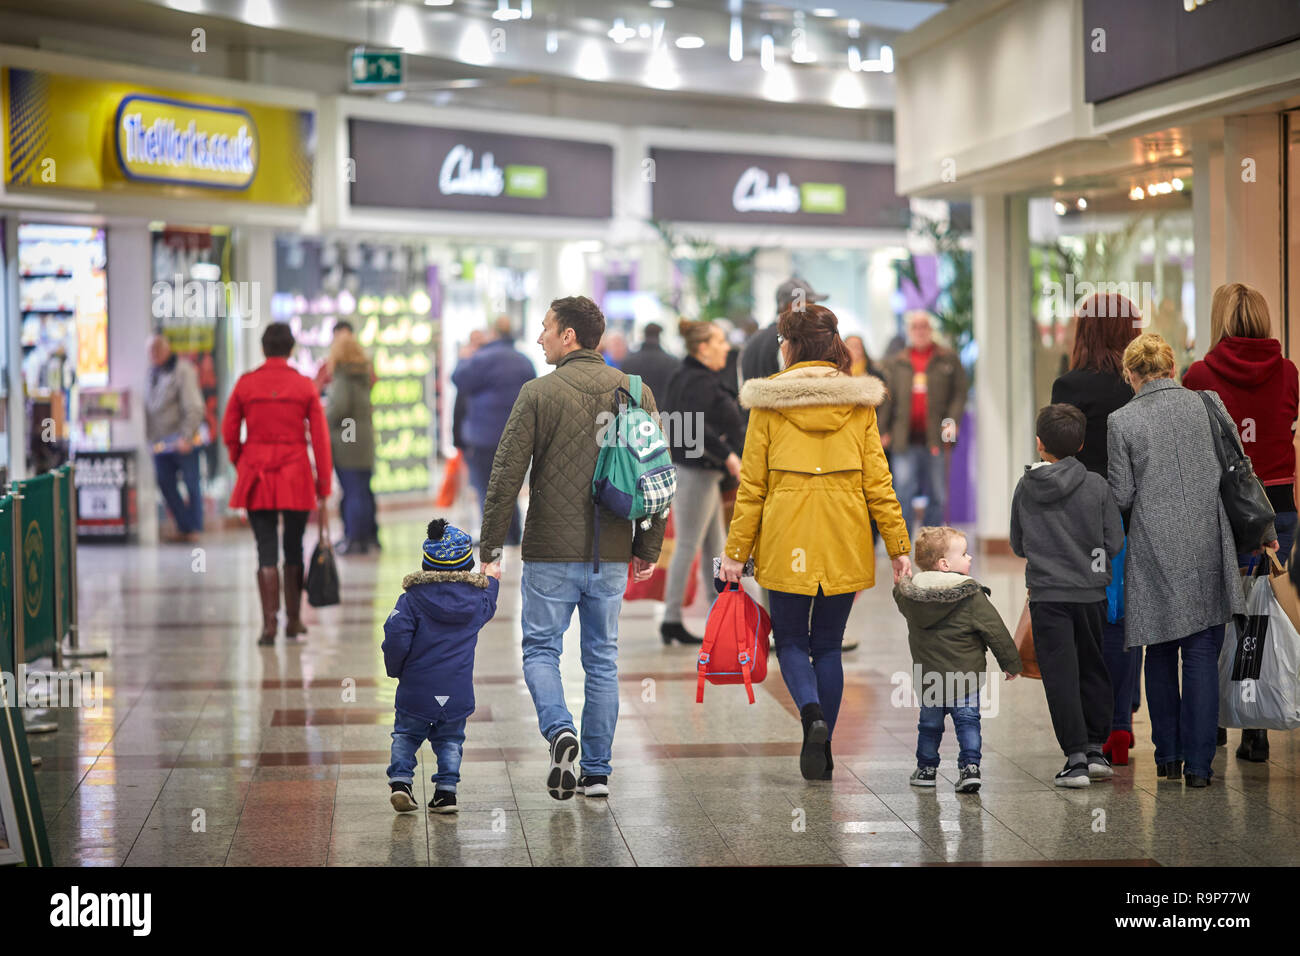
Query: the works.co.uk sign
{"points": [[402, 166], [699, 186], [162, 140]]}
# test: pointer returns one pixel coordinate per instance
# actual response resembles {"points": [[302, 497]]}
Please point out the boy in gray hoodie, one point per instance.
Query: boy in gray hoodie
{"points": [[1066, 524]]}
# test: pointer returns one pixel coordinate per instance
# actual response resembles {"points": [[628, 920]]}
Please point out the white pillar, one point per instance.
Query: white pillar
{"points": [[1207, 224], [1252, 226]]}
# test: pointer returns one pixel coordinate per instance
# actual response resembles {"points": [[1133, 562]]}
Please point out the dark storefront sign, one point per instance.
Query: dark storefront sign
{"points": [[1151, 41], [106, 496], [698, 186], [401, 166]]}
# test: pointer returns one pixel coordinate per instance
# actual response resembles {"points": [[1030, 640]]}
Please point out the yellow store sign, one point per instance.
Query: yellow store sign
{"points": [[67, 132]]}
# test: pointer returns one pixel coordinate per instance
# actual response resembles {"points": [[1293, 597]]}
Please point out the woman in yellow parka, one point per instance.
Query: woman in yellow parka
{"points": [[812, 478]]}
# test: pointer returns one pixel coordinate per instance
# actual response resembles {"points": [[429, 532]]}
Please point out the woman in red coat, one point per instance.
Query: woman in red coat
{"points": [[274, 473]]}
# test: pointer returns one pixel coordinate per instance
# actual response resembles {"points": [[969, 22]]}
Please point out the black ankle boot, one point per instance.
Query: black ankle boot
{"points": [[1171, 770], [678, 633], [1221, 738], [1254, 746], [812, 757], [830, 764]]}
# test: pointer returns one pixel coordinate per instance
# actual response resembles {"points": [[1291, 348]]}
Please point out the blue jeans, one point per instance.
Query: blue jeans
{"points": [[917, 471], [1183, 725], [809, 632], [479, 459], [357, 506], [1125, 670], [166, 466], [447, 739], [551, 591], [965, 720]]}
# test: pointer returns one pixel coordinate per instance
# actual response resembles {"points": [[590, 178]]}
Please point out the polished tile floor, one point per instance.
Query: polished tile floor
{"points": [[210, 751]]}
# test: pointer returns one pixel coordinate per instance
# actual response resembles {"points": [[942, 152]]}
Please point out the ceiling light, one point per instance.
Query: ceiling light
{"points": [[825, 12], [1164, 188], [187, 6], [847, 93], [887, 58], [1136, 193], [1081, 203], [689, 41], [855, 29], [526, 9], [1059, 207], [406, 33], [1058, 180], [505, 12], [661, 4], [619, 32], [779, 85], [552, 41], [1178, 151], [1152, 156], [767, 52], [799, 52], [855, 59], [438, 3], [591, 63], [474, 47], [1177, 184], [661, 72], [644, 31], [259, 13], [736, 47]]}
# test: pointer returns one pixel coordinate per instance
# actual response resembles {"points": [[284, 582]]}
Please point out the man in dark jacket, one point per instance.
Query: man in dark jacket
{"points": [[926, 387], [554, 427], [490, 380], [651, 362], [762, 355]]}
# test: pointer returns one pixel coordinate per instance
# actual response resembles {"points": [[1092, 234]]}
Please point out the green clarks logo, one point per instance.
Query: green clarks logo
{"points": [[526, 181], [822, 197]]}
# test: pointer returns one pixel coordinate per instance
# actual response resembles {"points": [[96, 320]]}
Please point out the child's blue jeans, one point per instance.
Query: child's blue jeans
{"points": [[447, 739], [966, 721]]}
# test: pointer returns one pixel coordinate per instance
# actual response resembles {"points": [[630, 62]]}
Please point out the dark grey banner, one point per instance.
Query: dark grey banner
{"points": [[1129, 44], [697, 186], [401, 166]]}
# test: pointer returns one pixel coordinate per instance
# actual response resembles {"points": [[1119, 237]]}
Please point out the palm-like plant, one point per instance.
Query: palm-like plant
{"points": [[721, 280]]}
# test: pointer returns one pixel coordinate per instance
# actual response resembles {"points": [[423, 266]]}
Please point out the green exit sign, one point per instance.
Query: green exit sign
{"points": [[376, 69]]}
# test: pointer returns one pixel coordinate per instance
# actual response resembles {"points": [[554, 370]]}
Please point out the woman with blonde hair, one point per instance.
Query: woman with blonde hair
{"points": [[1261, 391], [1180, 579], [352, 440]]}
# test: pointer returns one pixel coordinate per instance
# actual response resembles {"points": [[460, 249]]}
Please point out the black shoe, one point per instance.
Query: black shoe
{"points": [[373, 541], [812, 757], [560, 781], [1194, 782], [1254, 746], [675, 632], [969, 781], [1171, 770], [401, 797], [1222, 739], [1073, 775], [444, 801], [593, 785], [830, 764]]}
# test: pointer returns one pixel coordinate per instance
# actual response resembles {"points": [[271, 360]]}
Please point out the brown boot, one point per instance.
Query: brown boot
{"points": [[293, 601], [268, 588]]}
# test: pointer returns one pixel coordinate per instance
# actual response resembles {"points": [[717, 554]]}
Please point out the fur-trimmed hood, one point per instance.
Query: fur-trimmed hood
{"points": [[437, 577], [812, 383], [930, 596]]}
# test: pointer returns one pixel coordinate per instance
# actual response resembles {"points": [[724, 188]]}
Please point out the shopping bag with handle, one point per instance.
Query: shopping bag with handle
{"points": [[735, 643], [323, 575], [1259, 665], [1025, 645]]}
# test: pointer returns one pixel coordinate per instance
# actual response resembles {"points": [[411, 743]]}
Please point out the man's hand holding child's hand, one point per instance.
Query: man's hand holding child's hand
{"points": [[1009, 676], [493, 570]]}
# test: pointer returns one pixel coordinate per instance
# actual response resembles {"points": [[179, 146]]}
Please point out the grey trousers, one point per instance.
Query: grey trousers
{"points": [[697, 524]]}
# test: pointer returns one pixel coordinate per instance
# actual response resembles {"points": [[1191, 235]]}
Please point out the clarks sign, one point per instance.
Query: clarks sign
{"points": [[694, 186], [423, 167]]}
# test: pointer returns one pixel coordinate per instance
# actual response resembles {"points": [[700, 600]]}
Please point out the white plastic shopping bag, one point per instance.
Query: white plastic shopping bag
{"points": [[1259, 666]]}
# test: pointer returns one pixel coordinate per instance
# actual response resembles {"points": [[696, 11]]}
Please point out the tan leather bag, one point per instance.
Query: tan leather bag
{"points": [[1283, 590], [1024, 638]]}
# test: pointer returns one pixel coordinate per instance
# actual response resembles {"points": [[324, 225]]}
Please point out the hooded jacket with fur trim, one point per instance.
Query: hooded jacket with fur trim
{"points": [[950, 624], [429, 641], [812, 479]]}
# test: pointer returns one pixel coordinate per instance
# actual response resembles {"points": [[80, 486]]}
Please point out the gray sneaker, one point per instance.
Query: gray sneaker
{"points": [[924, 777], [1073, 775], [969, 782], [1099, 767]]}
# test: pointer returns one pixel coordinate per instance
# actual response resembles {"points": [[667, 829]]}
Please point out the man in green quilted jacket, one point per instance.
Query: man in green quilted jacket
{"points": [[555, 426]]}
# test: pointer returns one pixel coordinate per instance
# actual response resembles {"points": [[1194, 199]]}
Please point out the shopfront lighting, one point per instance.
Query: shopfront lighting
{"points": [[661, 72], [552, 41], [620, 33], [1178, 150], [347, 303], [779, 85], [767, 52], [847, 93], [1164, 188], [799, 52], [420, 302], [1136, 193], [1081, 203], [736, 44], [1177, 184], [1059, 207], [689, 41], [591, 63], [855, 29], [644, 31], [406, 33], [887, 58], [525, 9], [259, 13], [474, 47], [505, 12]]}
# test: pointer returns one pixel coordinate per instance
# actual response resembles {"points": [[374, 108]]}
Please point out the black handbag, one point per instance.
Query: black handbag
{"points": [[323, 575], [1244, 501]]}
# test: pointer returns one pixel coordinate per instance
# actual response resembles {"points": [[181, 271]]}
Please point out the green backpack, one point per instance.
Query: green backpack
{"points": [[635, 477]]}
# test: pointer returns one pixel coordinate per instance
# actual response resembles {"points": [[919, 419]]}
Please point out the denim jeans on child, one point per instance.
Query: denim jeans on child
{"points": [[551, 591], [447, 739], [1183, 723], [965, 720]]}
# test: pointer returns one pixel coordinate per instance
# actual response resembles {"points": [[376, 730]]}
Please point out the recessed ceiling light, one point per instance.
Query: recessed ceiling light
{"points": [[825, 12], [619, 32], [1081, 203], [505, 12], [689, 41], [736, 44], [855, 59], [438, 3], [1177, 184], [1058, 180], [767, 52], [661, 4], [644, 31], [1059, 207]]}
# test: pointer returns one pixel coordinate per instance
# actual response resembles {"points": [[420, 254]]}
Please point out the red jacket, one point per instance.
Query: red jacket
{"points": [[273, 470], [1255, 382]]}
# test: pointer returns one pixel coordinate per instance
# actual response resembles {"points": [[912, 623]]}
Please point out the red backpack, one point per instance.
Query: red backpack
{"points": [[735, 643]]}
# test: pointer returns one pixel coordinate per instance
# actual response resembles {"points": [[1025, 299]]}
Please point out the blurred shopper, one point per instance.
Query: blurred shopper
{"points": [[614, 348], [707, 442], [1261, 391], [173, 412], [655, 366], [460, 407], [1095, 384], [859, 361], [762, 354], [352, 441], [491, 379], [1164, 466], [926, 388], [551, 428], [274, 479], [812, 478]]}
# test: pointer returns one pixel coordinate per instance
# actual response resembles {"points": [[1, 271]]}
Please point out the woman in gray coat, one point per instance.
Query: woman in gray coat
{"points": [[1180, 582]]}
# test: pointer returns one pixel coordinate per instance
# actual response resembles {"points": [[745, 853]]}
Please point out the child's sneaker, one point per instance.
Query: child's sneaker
{"points": [[590, 785], [1073, 775], [1099, 767], [401, 798], [969, 782], [560, 781], [923, 777], [444, 801]]}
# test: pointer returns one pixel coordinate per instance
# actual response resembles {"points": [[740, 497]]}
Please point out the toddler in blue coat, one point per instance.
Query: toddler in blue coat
{"points": [[429, 641]]}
